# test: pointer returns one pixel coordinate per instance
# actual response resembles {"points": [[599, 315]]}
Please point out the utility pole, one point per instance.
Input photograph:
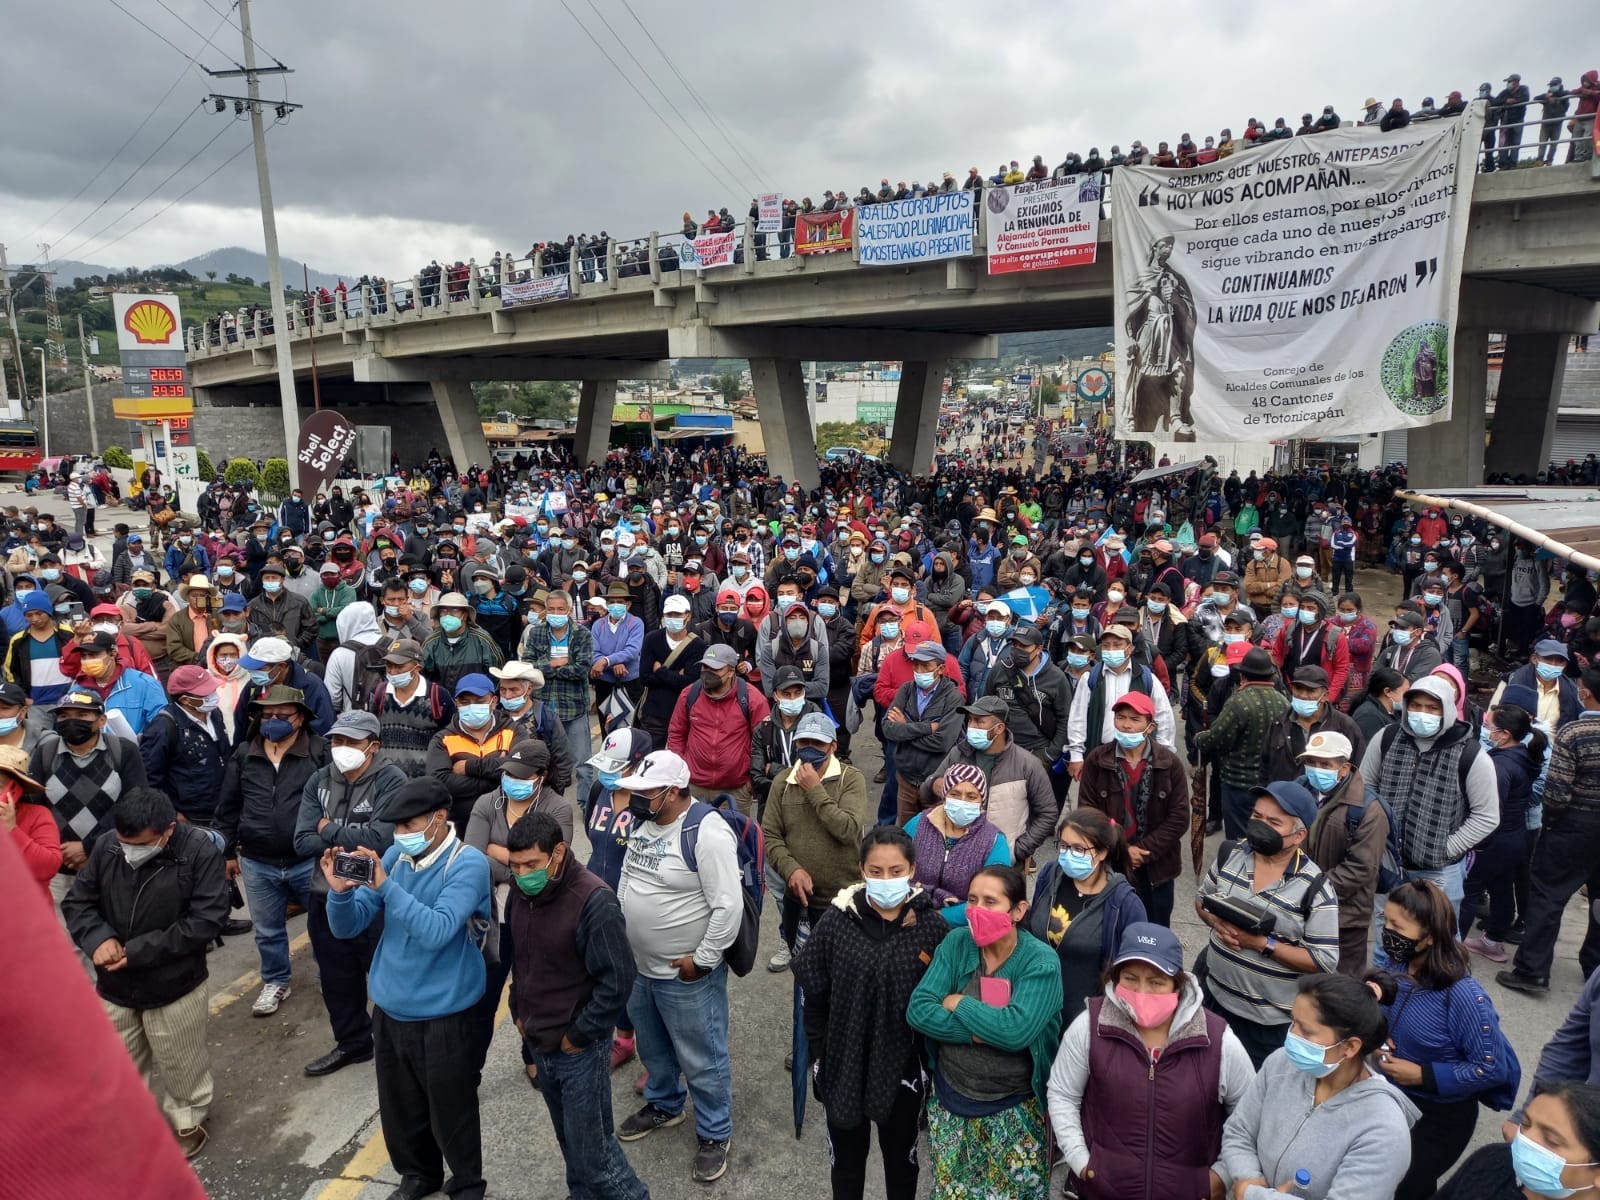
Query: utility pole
{"points": [[16, 333], [269, 228], [53, 338], [44, 393], [88, 387]]}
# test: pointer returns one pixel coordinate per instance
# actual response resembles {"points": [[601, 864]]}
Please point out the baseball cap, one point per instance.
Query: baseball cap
{"points": [[621, 747], [475, 684], [188, 680], [675, 604], [927, 652], [1138, 701], [264, 652], [986, 706], [816, 727], [720, 657], [1550, 648], [1311, 677], [526, 758], [100, 643], [81, 698], [997, 607], [787, 677], [1146, 942], [1235, 652], [1325, 743], [357, 723], [1027, 634], [233, 602], [403, 650], [660, 769], [1293, 798]]}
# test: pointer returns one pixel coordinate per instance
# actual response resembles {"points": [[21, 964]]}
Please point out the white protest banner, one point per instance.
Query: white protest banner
{"points": [[1040, 226], [536, 291], [1306, 288], [714, 249], [769, 212], [920, 230]]}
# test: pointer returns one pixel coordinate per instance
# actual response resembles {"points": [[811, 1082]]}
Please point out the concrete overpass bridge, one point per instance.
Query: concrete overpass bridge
{"points": [[1531, 271]]}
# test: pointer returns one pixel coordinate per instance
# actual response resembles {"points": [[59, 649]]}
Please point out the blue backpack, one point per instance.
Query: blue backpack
{"points": [[752, 849]]}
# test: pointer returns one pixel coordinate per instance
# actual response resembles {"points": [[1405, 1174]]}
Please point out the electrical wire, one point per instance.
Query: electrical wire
{"points": [[105, 166], [184, 22], [695, 96], [228, 17], [687, 124], [628, 79], [152, 32], [179, 197]]}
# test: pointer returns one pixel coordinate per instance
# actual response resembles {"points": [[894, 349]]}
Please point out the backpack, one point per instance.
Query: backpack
{"points": [[740, 687], [1390, 875], [367, 672], [752, 847]]}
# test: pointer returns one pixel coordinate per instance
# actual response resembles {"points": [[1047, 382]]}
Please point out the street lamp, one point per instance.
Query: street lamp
{"points": [[44, 400]]}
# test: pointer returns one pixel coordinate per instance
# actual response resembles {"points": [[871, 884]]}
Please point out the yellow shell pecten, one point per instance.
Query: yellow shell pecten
{"points": [[150, 321]]}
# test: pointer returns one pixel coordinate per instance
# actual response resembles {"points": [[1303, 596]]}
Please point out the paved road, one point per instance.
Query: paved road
{"points": [[275, 1133]]}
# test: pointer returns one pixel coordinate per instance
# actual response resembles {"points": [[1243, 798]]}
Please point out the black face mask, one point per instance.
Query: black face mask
{"points": [[711, 681], [1263, 838], [75, 731], [639, 807], [1397, 946]]}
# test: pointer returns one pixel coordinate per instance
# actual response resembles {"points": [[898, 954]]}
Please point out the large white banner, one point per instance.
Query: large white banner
{"points": [[921, 230], [714, 249], [1040, 226], [769, 212], [1307, 288], [542, 290]]}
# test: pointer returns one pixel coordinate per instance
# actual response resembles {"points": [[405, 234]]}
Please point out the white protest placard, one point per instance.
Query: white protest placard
{"points": [[536, 291], [1041, 226], [714, 249], [920, 230], [769, 212], [1307, 288]]}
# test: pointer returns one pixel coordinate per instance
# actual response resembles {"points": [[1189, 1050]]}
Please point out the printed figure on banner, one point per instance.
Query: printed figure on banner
{"points": [[1160, 325]]}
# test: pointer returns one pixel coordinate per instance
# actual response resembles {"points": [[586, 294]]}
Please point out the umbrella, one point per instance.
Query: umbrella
{"points": [[800, 1073], [1158, 472], [1027, 603], [1199, 797]]}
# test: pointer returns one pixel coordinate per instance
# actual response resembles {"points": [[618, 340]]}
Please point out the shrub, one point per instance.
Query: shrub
{"points": [[241, 472], [208, 472], [116, 456], [275, 479]]}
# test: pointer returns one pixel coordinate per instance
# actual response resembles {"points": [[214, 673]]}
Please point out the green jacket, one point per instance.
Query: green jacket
{"points": [[327, 604], [818, 830], [1237, 737], [1031, 1022]]}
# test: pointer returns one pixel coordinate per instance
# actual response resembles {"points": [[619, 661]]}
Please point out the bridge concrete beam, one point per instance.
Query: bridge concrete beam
{"points": [[380, 369], [1499, 307], [463, 428], [1450, 453], [811, 343], [1531, 373], [785, 419], [916, 416], [597, 401]]}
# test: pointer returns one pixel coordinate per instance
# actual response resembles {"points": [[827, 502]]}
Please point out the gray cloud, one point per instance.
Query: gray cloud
{"points": [[478, 125]]}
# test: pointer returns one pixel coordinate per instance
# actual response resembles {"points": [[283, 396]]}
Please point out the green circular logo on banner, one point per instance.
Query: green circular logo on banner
{"points": [[1416, 368]]}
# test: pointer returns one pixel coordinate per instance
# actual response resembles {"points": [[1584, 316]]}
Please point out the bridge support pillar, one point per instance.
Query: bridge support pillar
{"points": [[1531, 374], [463, 428], [1450, 454], [785, 420], [916, 416], [597, 400]]}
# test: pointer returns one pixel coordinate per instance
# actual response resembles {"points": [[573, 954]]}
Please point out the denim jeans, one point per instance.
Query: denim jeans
{"points": [[681, 1033], [1461, 653], [577, 1091], [579, 742], [269, 890]]}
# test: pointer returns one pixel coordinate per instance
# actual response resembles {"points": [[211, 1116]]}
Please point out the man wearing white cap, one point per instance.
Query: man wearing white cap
{"points": [[683, 911], [518, 685], [271, 661]]}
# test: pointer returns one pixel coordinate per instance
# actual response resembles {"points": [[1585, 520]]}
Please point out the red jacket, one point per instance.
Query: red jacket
{"points": [[39, 841], [717, 745], [1334, 657], [895, 671]]}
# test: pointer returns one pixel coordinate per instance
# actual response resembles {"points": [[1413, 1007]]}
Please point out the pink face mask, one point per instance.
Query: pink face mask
{"points": [[1149, 1009], [1568, 620], [988, 925]]}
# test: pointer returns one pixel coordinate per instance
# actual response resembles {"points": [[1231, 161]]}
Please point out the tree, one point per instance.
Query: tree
{"points": [[212, 275], [843, 433], [208, 472], [275, 479], [546, 399], [1049, 393], [116, 456], [731, 388], [241, 472]]}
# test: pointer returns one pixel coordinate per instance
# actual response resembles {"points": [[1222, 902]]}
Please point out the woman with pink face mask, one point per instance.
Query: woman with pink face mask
{"points": [[989, 1006], [1145, 1079]]}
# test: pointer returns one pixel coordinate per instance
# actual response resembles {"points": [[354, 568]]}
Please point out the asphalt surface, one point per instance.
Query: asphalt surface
{"points": [[276, 1133]]}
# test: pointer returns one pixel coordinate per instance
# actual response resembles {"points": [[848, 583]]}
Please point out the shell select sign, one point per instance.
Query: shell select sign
{"points": [[147, 322]]}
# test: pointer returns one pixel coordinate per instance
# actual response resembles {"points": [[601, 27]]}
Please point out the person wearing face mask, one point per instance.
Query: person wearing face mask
{"points": [[106, 618], [618, 645], [1129, 1114], [26, 820], [1407, 649], [1446, 1065], [427, 975], [276, 607], [189, 628], [1090, 721], [269, 662], [865, 956], [1545, 673], [1553, 1149], [867, 576], [982, 651], [716, 741], [730, 627], [812, 823], [772, 742], [16, 729], [1311, 640], [1265, 575], [1020, 567], [989, 1007], [1144, 789], [1036, 696], [333, 595], [338, 812], [1347, 840], [1381, 707], [983, 554], [922, 723], [259, 805], [1164, 635], [1430, 772], [840, 633], [1317, 1120], [467, 754], [457, 647], [1309, 713], [956, 839], [1086, 576], [144, 908], [669, 663]]}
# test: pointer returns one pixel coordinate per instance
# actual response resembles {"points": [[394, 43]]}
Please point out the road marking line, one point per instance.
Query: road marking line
{"points": [[373, 1155], [250, 980]]}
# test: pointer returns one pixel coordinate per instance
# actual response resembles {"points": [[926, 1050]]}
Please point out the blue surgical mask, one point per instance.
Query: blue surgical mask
{"points": [[272, 586], [609, 779], [1308, 617], [556, 620], [1400, 637], [1303, 707], [513, 703], [889, 630], [1323, 779], [475, 716], [1548, 671], [827, 611], [517, 789], [417, 586], [1077, 661], [1076, 864], [1113, 658], [924, 679], [1156, 607], [1539, 1168], [1231, 639], [786, 602], [1127, 740], [8, 726], [791, 707], [979, 739], [616, 611], [877, 558], [1290, 613], [996, 629], [411, 843], [740, 570], [900, 595], [1485, 739], [700, 539], [260, 678], [1308, 1056], [962, 813], [889, 893], [1349, 618], [391, 610], [402, 680], [1432, 599], [1423, 724], [791, 553], [1080, 614], [674, 624]]}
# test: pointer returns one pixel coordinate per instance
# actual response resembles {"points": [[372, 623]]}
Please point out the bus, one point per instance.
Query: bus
{"points": [[19, 447]]}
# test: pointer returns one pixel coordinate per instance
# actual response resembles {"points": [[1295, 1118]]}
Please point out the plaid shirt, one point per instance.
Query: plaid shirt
{"points": [[566, 689]]}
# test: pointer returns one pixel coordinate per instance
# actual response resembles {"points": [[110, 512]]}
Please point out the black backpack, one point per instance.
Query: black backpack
{"points": [[368, 671]]}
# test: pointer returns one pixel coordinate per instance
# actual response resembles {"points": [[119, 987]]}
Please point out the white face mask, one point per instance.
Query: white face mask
{"points": [[347, 758]]}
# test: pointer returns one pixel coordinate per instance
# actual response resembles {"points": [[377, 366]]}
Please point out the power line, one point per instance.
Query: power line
{"points": [[228, 17], [138, 129], [645, 71], [694, 95], [184, 22], [152, 32], [627, 79]]}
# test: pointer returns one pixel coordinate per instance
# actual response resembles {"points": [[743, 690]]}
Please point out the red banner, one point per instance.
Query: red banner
{"points": [[824, 232]]}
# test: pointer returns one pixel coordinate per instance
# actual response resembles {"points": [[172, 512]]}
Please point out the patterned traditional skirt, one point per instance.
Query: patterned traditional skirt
{"points": [[1002, 1157]]}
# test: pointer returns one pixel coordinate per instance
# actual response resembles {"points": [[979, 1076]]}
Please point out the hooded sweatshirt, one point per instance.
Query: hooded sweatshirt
{"points": [[1357, 1143], [229, 686], [1436, 822], [359, 624]]}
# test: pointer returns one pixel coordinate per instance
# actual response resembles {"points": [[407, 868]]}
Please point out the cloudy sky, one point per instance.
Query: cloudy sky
{"points": [[452, 129]]}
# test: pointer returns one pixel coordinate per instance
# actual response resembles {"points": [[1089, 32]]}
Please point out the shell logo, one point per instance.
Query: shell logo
{"points": [[150, 322]]}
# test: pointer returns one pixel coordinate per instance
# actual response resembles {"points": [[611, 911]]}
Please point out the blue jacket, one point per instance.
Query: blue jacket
{"points": [[1573, 1052], [1454, 1035], [1566, 690], [183, 762], [137, 696], [981, 564], [625, 645], [12, 615], [175, 556], [427, 963]]}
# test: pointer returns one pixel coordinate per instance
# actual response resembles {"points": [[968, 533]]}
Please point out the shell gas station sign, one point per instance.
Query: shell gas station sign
{"points": [[155, 387]]}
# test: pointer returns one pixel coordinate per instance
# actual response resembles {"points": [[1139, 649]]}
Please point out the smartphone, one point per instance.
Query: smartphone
{"points": [[353, 866]]}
